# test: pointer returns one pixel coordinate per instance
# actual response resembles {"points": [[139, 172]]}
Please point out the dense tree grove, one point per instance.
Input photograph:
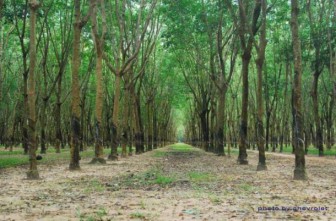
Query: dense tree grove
{"points": [[218, 74]]}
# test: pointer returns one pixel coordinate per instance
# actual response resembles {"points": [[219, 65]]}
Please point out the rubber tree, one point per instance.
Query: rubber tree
{"points": [[32, 172], [125, 53], [99, 42], [300, 165], [260, 63], [247, 25], [75, 88], [317, 66]]}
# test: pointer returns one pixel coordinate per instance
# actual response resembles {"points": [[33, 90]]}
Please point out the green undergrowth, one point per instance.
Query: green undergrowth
{"points": [[145, 180], [17, 158], [200, 176], [311, 150], [97, 215]]}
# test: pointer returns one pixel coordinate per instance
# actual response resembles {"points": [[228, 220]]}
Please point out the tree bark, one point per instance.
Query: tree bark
{"points": [[75, 91], [115, 119], [259, 63], [1, 47], [99, 41], [220, 124], [243, 142], [32, 172], [317, 119], [300, 167], [246, 57]]}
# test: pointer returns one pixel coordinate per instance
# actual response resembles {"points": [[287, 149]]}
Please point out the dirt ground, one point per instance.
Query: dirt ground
{"points": [[172, 184]]}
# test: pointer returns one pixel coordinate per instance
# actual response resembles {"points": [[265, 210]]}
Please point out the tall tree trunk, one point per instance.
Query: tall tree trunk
{"points": [[220, 125], [99, 150], [204, 130], [32, 172], [247, 44], [75, 91], [1, 47], [150, 125], [243, 143], [259, 64], [139, 135], [124, 124], [43, 125], [24, 119], [59, 139], [115, 119], [317, 119], [300, 165]]}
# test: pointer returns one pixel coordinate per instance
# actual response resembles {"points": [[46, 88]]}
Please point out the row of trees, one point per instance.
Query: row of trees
{"points": [[110, 73], [84, 73], [287, 74]]}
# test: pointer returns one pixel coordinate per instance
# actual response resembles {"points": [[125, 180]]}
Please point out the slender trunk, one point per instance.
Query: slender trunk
{"points": [[43, 125], [150, 125], [75, 92], [318, 127], [1, 47], [99, 150], [98, 135], [300, 168], [220, 124], [25, 115], [32, 172], [260, 106], [204, 131], [124, 126], [115, 120], [242, 158], [139, 136], [58, 129]]}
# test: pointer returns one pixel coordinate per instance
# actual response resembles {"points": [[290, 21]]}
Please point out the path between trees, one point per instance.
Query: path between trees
{"points": [[173, 183]]}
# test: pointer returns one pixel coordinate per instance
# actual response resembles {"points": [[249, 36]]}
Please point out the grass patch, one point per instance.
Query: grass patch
{"points": [[311, 150], [137, 215], [246, 187], [9, 153], [163, 180], [17, 158], [200, 177], [13, 161], [98, 215], [146, 180], [94, 186], [159, 153], [180, 147]]}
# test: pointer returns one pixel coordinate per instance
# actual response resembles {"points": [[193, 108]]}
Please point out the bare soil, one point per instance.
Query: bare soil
{"points": [[172, 184]]}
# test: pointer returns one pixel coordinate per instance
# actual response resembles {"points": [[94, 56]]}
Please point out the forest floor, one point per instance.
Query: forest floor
{"points": [[178, 182]]}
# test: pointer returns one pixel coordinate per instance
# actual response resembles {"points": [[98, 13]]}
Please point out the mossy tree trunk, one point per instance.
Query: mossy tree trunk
{"points": [[260, 106], [317, 71], [32, 172], [115, 118], [300, 165], [99, 43], [1, 48], [75, 89]]}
